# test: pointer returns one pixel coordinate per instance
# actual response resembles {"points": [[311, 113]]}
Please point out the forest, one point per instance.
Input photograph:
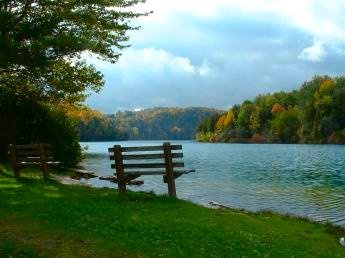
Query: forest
{"points": [[313, 114], [148, 124], [93, 125]]}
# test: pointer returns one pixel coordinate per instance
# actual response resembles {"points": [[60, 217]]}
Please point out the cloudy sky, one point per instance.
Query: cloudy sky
{"points": [[218, 53]]}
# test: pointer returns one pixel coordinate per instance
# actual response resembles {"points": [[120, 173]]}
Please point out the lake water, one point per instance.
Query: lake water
{"points": [[304, 180]]}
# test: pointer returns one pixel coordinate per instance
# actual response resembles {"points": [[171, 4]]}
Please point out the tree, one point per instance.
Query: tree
{"points": [[220, 123], [95, 126], [243, 120], [208, 124], [42, 42], [285, 125], [277, 108], [42, 45], [24, 121], [229, 119], [255, 120], [323, 103], [163, 123], [313, 114]]}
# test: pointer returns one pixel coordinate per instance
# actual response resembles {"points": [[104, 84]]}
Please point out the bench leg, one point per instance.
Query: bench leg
{"points": [[44, 165], [13, 159], [122, 185], [171, 186], [120, 174], [169, 172], [45, 172], [16, 171]]}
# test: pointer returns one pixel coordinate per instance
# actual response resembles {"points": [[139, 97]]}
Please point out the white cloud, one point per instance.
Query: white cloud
{"points": [[314, 53], [322, 19], [158, 61], [205, 68], [218, 53]]}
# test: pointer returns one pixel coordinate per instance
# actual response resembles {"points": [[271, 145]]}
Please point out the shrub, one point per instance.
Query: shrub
{"points": [[24, 120]]}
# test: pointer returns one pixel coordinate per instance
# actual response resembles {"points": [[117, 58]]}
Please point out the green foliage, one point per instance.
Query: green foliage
{"points": [[161, 123], [205, 137], [148, 124], [285, 126], [60, 81], [37, 32], [41, 41], [25, 121], [209, 124], [99, 127], [313, 114], [40, 219], [42, 46], [61, 131]]}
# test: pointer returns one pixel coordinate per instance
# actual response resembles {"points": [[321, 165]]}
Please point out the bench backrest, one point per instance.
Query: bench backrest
{"points": [[30, 154], [132, 162]]}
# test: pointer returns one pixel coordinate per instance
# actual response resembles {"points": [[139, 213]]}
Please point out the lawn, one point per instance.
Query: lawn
{"points": [[48, 219]]}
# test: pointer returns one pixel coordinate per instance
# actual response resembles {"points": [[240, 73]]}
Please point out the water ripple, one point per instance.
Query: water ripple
{"points": [[305, 180]]}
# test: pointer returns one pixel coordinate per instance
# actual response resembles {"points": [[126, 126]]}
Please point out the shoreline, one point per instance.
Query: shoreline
{"points": [[36, 217], [68, 180]]}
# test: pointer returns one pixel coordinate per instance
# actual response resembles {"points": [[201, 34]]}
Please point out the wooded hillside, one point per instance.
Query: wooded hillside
{"points": [[313, 114], [148, 124]]}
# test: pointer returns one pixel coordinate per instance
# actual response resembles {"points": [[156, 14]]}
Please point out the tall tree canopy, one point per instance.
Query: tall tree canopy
{"points": [[42, 43]]}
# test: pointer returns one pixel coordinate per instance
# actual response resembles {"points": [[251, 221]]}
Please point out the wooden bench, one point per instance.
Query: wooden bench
{"points": [[31, 154], [132, 162]]}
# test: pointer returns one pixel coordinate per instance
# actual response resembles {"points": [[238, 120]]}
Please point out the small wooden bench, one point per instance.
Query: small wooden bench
{"points": [[133, 165], [31, 154]]}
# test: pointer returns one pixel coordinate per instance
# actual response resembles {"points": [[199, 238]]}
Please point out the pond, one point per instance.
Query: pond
{"points": [[303, 180]]}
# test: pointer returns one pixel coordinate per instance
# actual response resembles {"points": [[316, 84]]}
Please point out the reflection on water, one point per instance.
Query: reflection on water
{"points": [[305, 180]]}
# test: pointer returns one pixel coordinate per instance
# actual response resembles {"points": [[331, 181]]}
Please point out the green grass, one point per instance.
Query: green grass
{"points": [[49, 219]]}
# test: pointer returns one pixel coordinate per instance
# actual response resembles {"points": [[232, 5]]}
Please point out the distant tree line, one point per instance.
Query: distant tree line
{"points": [[96, 126], [148, 124], [313, 114]]}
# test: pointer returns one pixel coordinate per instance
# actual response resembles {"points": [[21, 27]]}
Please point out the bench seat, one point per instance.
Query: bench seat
{"points": [[132, 162], [31, 155]]}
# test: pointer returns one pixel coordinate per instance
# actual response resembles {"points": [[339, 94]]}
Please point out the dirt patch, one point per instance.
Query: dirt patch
{"points": [[67, 180]]}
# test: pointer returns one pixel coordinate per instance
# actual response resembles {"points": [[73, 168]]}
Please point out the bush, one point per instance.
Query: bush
{"points": [[24, 120], [61, 131]]}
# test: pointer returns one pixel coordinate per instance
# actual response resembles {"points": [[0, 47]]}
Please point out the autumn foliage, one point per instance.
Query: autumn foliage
{"points": [[313, 114], [277, 108]]}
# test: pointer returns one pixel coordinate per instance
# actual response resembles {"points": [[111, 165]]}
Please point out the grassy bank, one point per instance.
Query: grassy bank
{"points": [[51, 219]]}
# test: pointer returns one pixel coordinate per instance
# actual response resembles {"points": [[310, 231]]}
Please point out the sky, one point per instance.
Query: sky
{"points": [[218, 53]]}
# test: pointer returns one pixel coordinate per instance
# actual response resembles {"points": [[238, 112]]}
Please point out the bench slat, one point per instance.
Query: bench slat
{"points": [[32, 147], [149, 165], [141, 148], [146, 148], [39, 162], [26, 147], [33, 152], [28, 159], [159, 172], [147, 156], [54, 162], [26, 153]]}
